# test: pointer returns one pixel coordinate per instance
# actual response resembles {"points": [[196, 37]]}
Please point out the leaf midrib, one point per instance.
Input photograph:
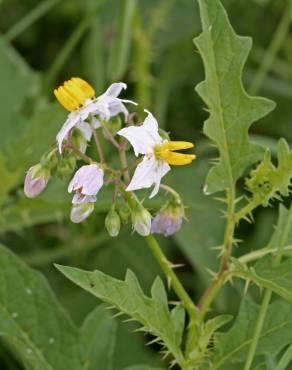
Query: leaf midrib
{"points": [[206, 28]]}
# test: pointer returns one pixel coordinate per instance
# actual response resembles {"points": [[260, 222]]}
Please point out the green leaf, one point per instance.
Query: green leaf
{"points": [[231, 110], [38, 330], [128, 297], [267, 181], [97, 341], [31, 320], [266, 274], [231, 347]]}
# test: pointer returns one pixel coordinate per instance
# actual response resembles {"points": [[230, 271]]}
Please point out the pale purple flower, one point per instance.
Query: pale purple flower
{"points": [[168, 220], [35, 181], [86, 183]]}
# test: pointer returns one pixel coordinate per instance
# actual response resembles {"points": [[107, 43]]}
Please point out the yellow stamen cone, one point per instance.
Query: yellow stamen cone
{"points": [[177, 159], [65, 99], [73, 93], [177, 145]]}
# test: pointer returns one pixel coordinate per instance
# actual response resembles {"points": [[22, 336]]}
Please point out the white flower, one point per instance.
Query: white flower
{"points": [[86, 183], [78, 97], [158, 154]]}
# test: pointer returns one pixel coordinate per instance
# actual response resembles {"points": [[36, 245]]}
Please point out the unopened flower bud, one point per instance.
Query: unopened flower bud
{"points": [[36, 180], [80, 212], [113, 223], [141, 220], [124, 213], [169, 219]]}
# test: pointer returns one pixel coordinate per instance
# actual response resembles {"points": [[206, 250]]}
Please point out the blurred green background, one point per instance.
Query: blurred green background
{"points": [[147, 44]]}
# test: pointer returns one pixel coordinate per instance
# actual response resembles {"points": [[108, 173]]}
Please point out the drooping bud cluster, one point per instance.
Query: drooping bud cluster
{"points": [[108, 113]]}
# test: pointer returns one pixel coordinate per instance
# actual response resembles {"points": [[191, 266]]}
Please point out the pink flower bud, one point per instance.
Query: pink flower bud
{"points": [[168, 220], [35, 181]]}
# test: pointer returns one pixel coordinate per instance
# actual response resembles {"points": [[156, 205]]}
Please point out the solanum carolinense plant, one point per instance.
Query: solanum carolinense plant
{"points": [[189, 333]]}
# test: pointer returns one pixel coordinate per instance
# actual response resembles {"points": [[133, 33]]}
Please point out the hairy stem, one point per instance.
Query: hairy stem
{"points": [[81, 155], [212, 291], [171, 276]]}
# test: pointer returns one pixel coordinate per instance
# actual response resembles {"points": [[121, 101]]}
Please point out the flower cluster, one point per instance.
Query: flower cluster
{"points": [[88, 117]]}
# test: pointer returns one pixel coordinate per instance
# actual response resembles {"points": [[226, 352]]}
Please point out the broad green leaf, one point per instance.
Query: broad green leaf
{"points": [[231, 110], [97, 340], [38, 330], [231, 347], [31, 320], [128, 297], [267, 181]]}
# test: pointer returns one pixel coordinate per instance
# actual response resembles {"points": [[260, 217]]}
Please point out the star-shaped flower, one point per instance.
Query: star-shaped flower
{"points": [[78, 97], [158, 153]]}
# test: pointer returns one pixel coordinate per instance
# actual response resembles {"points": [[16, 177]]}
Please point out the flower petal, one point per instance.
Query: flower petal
{"points": [[79, 198], [72, 120], [86, 130], [88, 179], [80, 212], [115, 89], [143, 138], [147, 173]]}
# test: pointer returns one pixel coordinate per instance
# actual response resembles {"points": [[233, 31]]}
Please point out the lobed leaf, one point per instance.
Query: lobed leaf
{"points": [[231, 110], [128, 297]]}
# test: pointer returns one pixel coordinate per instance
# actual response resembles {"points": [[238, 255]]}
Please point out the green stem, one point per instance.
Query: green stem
{"points": [[252, 256], [258, 329], [81, 155], [267, 297], [286, 359], [98, 146], [171, 276], [273, 49], [124, 163], [246, 211], [29, 19]]}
